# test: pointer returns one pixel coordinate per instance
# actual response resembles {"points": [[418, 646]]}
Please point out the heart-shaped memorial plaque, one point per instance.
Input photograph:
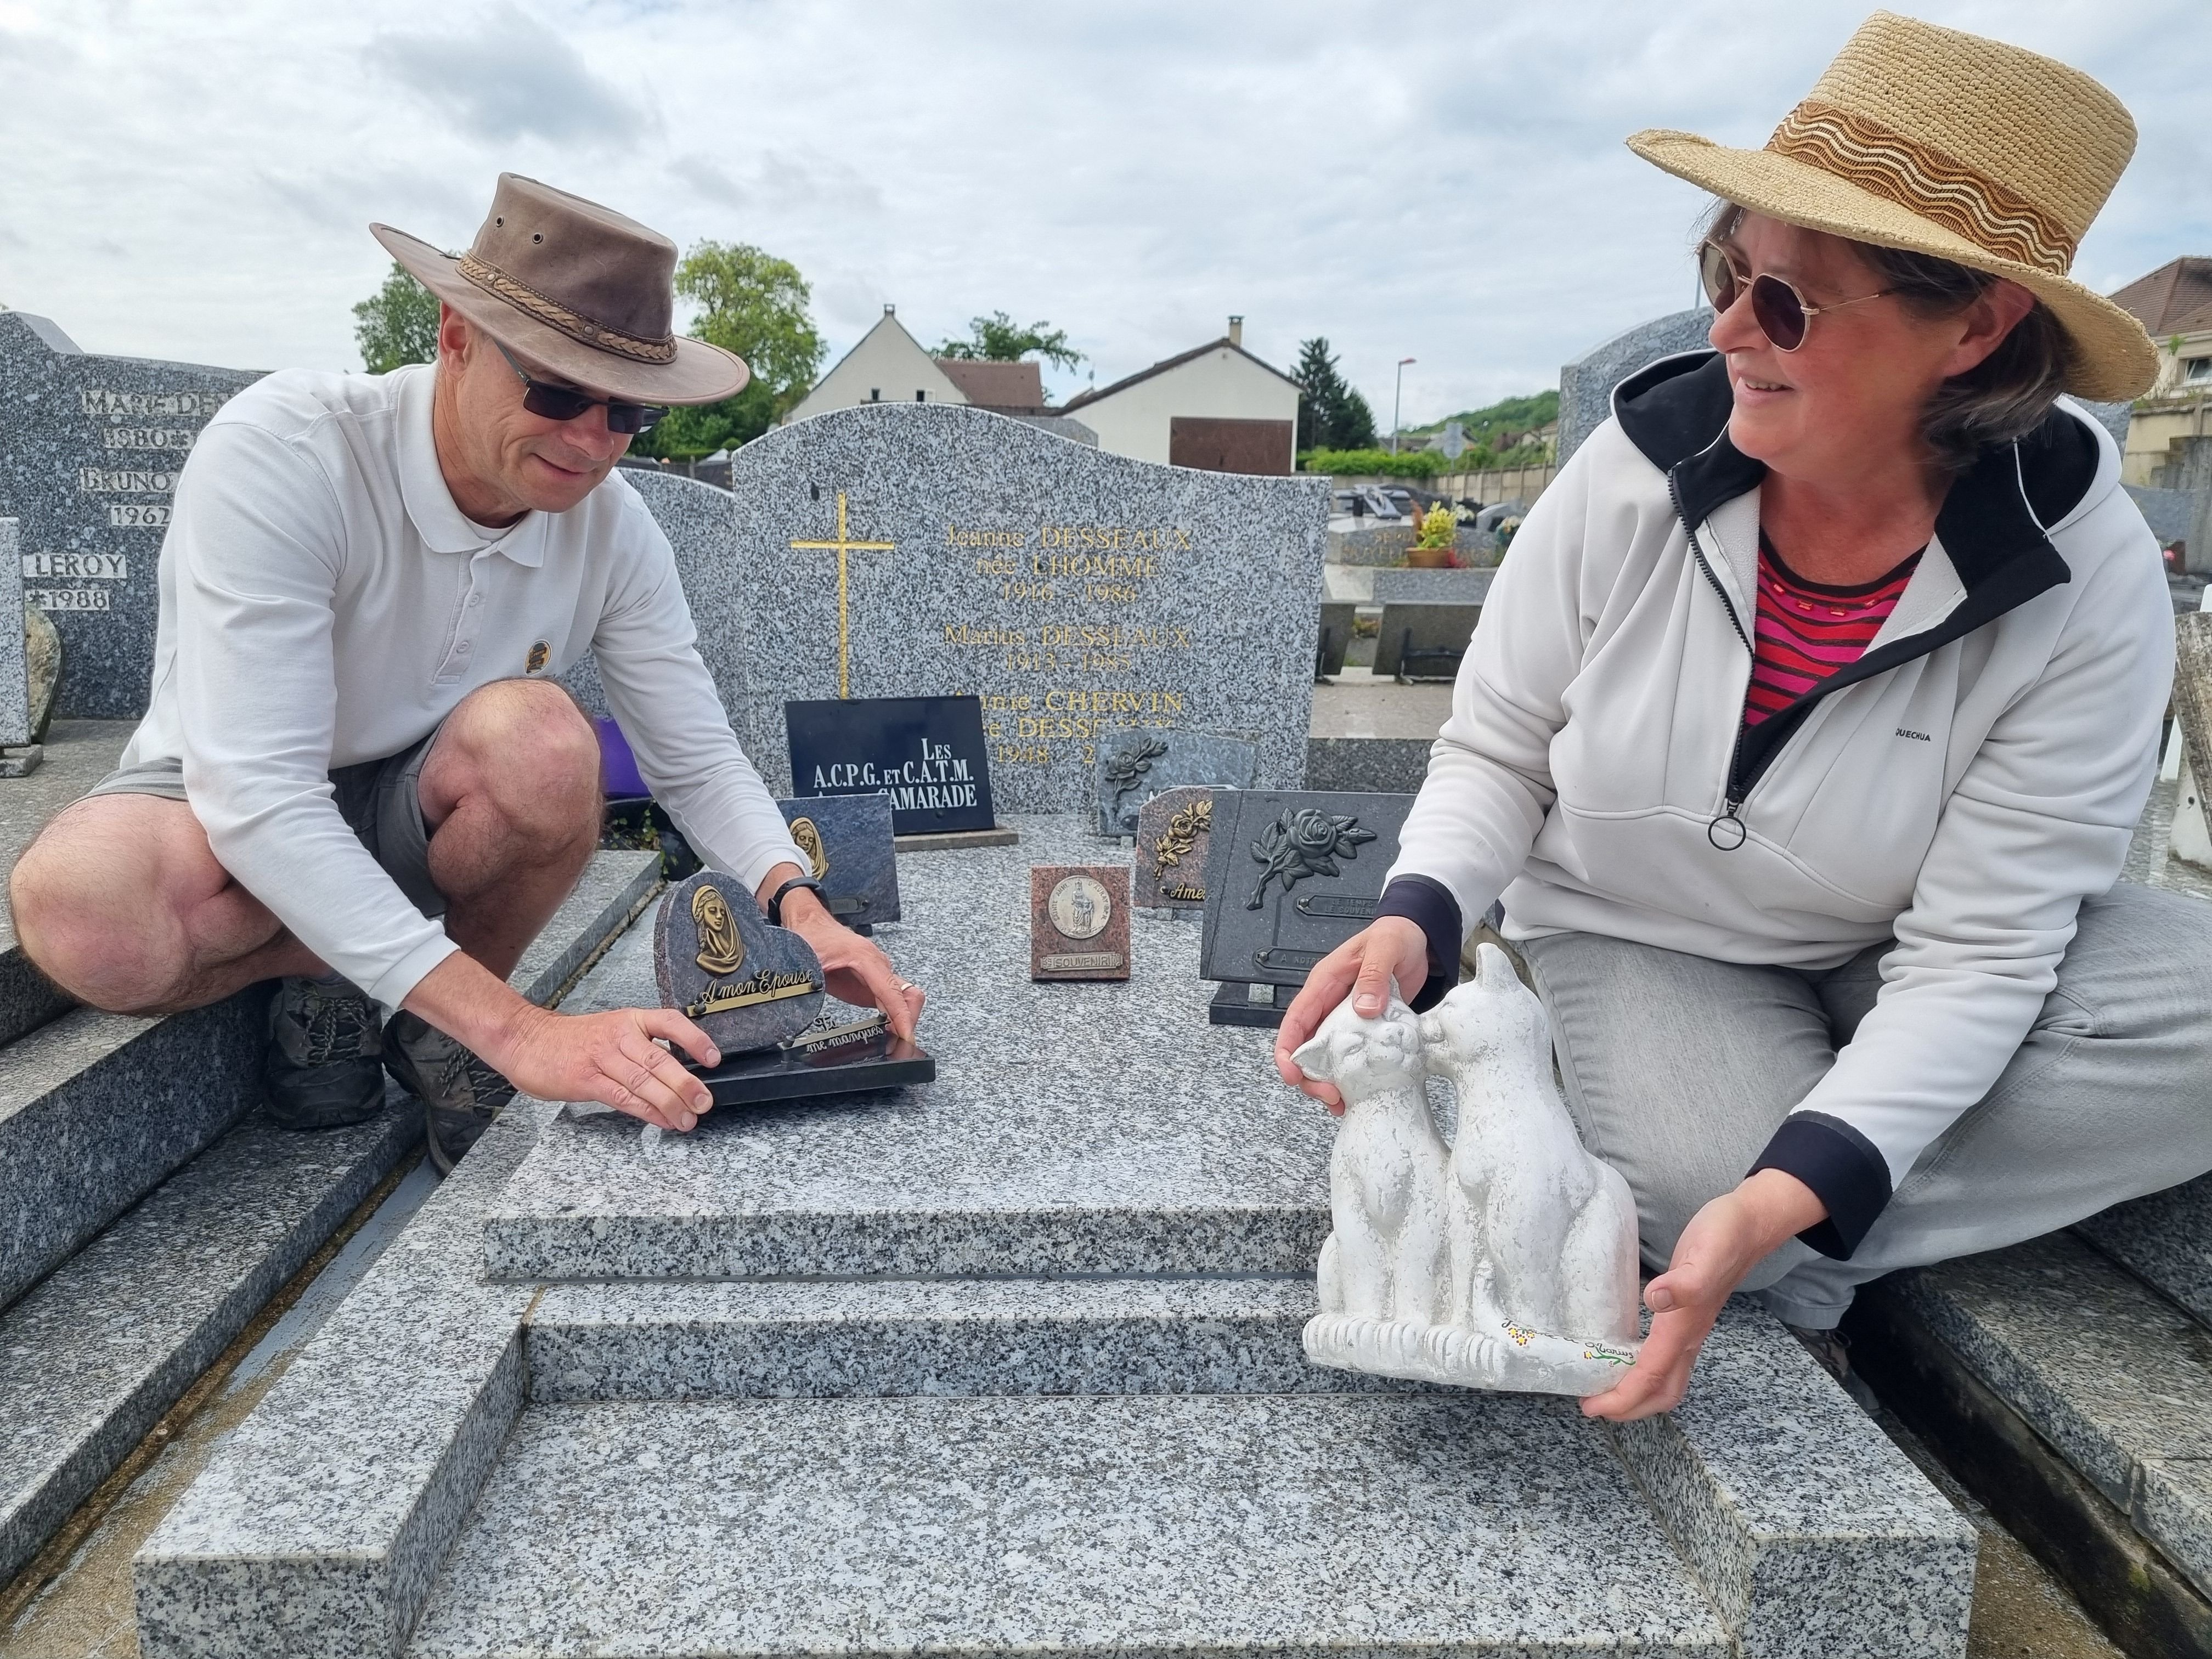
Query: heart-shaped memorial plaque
{"points": [[718, 962]]}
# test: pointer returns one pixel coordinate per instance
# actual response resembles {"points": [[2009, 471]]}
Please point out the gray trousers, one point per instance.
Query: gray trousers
{"points": [[1678, 1069]]}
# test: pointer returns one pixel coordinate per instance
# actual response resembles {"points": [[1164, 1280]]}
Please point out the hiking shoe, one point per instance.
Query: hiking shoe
{"points": [[460, 1094], [324, 1066], [1831, 1350]]}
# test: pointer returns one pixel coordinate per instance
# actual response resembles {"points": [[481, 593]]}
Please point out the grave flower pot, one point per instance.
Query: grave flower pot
{"points": [[1429, 558]]}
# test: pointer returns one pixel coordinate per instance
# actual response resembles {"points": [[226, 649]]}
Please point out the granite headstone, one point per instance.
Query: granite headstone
{"points": [[848, 840], [1174, 832], [929, 549], [1586, 385], [717, 962], [90, 449], [1136, 765], [1290, 876]]}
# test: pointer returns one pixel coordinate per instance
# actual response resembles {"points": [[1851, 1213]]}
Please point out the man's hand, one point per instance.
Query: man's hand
{"points": [[612, 1058], [855, 970], [1391, 948], [1723, 1242]]}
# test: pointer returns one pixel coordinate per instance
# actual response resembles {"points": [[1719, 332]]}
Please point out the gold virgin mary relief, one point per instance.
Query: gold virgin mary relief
{"points": [[809, 838], [720, 950]]}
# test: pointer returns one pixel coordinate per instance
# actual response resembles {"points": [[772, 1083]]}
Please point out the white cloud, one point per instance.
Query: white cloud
{"points": [[1414, 179]]}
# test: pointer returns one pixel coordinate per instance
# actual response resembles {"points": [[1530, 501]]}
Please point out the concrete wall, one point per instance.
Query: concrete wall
{"points": [[888, 361], [1221, 382]]}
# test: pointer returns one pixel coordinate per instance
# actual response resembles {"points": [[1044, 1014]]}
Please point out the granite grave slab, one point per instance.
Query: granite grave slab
{"points": [[90, 450], [1433, 587], [450, 1465], [927, 549], [1079, 921], [848, 842], [718, 962], [1174, 832], [1132, 767]]}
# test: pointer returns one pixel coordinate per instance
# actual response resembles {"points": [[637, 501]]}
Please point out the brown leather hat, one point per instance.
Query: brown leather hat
{"points": [[578, 290]]}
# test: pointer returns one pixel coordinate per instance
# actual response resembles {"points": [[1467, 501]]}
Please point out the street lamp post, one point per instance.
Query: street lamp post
{"points": [[1397, 394]]}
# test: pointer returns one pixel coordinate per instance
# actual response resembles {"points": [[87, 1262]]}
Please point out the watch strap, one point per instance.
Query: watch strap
{"points": [[775, 899]]}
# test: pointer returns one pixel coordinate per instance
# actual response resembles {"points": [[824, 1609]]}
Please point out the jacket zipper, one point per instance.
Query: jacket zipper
{"points": [[1727, 832]]}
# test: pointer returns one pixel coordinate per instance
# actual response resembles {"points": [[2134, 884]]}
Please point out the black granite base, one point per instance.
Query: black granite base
{"points": [[882, 1061], [1232, 1004]]}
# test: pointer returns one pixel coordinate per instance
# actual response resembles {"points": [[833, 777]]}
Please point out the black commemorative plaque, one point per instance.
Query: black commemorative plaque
{"points": [[1290, 875], [927, 754]]}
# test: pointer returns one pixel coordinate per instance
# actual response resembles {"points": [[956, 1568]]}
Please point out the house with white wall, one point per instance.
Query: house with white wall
{"points": [[1215, 406], [889, 367]]}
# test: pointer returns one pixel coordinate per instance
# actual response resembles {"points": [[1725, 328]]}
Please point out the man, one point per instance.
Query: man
{"points": [[353, 733]]}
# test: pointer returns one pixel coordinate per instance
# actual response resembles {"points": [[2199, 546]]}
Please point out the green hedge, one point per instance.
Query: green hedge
{"points": [[1376, 462]]}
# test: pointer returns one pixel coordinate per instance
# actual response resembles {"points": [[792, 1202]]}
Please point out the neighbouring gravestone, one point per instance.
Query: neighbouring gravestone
{"points": [[2190, 838], [16, 722], [848, 840], [718, 962], [1433, 587], [1136, 765], [1174, 832], [1586, 385], [1079, 921], [1290, 876], [90, 449], [928, 550]]}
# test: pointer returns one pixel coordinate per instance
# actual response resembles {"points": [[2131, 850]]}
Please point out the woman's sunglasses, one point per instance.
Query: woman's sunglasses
{"points": [[1779, 309], [560, 403]]}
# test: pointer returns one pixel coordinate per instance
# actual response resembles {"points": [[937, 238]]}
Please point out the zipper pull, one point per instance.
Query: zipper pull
{"points": [[1727, 831]]}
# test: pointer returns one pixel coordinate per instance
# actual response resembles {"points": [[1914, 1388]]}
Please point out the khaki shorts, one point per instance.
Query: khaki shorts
{"points": [[381, 801]]}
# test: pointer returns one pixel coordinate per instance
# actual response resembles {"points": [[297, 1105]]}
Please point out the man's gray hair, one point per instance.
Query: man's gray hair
{"points": [[2004, 396]]}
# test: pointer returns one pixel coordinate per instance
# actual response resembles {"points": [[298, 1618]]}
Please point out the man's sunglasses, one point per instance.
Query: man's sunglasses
{"points": [[1779, 309], [561, 403]]}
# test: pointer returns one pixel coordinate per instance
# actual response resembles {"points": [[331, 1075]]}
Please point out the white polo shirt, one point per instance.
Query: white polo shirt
{"points": [[324, 602]]}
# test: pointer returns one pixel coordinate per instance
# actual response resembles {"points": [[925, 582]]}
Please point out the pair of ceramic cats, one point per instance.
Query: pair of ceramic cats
{"points": [[1506, 1259]]}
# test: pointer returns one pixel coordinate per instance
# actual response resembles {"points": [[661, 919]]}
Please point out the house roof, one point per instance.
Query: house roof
{"points": [[2175, 299], [1224, 343], [996, 385]]}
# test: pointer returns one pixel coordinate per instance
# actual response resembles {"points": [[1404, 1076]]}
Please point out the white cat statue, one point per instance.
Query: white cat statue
{"points": [[1536, 1289]]}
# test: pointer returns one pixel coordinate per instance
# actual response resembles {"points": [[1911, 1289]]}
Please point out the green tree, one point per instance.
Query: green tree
{"points": [[397, 325], [998, 339], [755, 304], [1331, 414]]}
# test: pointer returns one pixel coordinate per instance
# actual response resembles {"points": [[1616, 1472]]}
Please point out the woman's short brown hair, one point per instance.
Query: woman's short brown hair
{"points": [[2002, 399]]}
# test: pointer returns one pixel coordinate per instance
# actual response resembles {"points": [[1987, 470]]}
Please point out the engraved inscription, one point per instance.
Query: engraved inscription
{"points": [[147, 437], [138, 515], [99, 480], [151, 405], [105, 567], [68, 599]]}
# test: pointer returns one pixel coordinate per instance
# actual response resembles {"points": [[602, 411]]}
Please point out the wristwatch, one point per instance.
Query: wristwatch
{"points": [[775, 899]]}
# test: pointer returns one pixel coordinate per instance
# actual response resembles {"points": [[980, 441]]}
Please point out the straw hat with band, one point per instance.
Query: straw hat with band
{"points": [[577, 289], [1939, 142]]}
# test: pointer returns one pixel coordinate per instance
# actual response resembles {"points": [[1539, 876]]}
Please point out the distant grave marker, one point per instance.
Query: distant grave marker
{"points": [[90, 449]]}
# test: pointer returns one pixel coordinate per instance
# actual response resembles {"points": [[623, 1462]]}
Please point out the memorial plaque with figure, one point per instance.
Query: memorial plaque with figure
{"points": [[1290, 876], [848, 842], [717, 962], [1174, 833], [1079, 921], [91, 448]]}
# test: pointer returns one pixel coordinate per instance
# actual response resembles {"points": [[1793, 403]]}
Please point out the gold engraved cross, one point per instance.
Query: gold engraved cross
{"points": [[843, 545]]}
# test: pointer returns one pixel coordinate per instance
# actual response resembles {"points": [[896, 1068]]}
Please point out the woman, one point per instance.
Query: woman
{"points": [[1808, 719]]}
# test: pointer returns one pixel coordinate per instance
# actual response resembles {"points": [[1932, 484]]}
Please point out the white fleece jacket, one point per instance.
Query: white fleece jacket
{"points": [[1962, 799]]}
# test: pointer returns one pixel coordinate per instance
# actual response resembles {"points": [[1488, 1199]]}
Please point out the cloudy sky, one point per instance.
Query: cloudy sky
{"points": [[1443, 181]]}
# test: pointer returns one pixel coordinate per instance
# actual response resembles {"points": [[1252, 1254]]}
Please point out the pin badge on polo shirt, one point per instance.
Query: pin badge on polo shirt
{"points": [[540, 654]]}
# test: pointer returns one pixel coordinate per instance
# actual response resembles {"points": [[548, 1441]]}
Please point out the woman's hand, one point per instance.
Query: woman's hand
{"points": [[1723, 1242], [1390, 948]]}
